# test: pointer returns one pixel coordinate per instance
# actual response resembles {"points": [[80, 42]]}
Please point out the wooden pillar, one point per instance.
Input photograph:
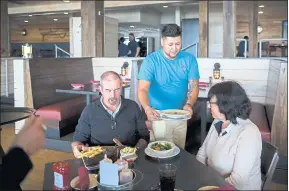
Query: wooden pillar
{"points": [[229, 29], [5, 29], [253, 27], [204, 28], [92, 22]]}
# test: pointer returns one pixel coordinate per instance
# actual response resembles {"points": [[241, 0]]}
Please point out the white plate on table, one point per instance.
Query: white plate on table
{"points": [[175, 152], [174, 114]]}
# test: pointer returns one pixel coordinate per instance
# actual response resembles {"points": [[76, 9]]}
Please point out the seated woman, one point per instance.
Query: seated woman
{"points": [[233, 145]]}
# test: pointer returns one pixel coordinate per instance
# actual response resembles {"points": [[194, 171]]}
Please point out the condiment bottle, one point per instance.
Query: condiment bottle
{"points": [[106, 159], [125, 176], [61, 175], [121, 164]]}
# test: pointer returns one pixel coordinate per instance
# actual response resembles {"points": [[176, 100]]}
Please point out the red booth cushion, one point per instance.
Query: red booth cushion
{"points": [[64, 109]]}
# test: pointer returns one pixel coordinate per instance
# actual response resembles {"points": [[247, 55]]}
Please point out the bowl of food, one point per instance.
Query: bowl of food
{"points": [[161, 148], [127, 151], [174, 114]]}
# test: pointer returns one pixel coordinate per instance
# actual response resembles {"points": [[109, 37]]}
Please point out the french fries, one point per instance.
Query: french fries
{"points": [[128, 150], [91, 152]]}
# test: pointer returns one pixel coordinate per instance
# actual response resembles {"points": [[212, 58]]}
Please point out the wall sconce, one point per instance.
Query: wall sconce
{"points": [[217, 71], [24, 32], [124, 69]]}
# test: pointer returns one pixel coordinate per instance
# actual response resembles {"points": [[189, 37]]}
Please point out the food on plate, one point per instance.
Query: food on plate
{"points": [[176, 112], [91, 152], [161, 146], [128, 150]]}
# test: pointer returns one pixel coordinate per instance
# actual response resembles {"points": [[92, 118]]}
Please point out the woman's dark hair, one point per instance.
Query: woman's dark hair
{"points": [[171, 30], [232, 100], [121, 39]]}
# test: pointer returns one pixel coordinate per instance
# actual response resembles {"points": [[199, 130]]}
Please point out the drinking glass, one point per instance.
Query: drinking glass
{"points": [[167, 174]]}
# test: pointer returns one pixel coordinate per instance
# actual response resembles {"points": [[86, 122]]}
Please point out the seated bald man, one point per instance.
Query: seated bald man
{"points": [[110, 116]]}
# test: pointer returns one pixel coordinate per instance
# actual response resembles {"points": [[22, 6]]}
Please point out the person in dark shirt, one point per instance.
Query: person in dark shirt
{"points": [[16, 163], [122, 48], [133, 46], [241, 47], [110, 116]]}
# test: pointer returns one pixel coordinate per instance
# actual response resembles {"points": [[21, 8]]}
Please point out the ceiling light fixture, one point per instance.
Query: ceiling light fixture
{"points": [[66, 1], [66, 13], [261, 6], [30, 15], [165, 6], [131, 26], [26, 21], [55, 19], [260, 12]]}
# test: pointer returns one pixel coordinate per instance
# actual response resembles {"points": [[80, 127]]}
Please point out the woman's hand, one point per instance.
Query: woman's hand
{"points": [[152, 114]]}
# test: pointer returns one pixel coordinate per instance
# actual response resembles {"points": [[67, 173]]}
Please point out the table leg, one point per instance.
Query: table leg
{"points": [[203, 120], [88, 99], [1, 149]]}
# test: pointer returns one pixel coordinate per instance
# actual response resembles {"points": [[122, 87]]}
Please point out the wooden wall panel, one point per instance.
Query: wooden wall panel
{"points": [[279, 131], [10, 76], [41, 33], [204, 28], [5, 38], [49, 74], [272, 27]]}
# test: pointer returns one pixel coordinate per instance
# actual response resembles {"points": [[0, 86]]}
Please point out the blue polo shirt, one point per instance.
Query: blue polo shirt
{"points": [[169, 78]]}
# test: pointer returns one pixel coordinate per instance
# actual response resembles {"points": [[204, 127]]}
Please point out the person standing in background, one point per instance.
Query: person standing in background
{"points": [[241, 47], [123, 50], [164, 78], [133, 46]]}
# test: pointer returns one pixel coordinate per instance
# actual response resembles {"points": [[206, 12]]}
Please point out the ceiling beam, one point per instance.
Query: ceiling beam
{"points": [[76, 5]]}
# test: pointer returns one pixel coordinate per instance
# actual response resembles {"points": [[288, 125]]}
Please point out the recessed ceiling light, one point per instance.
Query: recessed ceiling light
{"points": [[66, 1], [260, 12], [66, 13], [26, 21], [131, 26], [30, 15], [261, 6], [165, 6], [55, 19]]}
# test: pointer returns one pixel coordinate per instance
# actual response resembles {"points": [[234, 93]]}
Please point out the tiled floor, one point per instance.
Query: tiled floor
{"points": [[34, 180]]}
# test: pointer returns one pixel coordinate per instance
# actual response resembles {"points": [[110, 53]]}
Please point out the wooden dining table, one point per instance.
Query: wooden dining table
{"points": [[191, 174]]}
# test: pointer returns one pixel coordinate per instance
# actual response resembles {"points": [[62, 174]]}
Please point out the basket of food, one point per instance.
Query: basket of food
{"points": [[161, 148]]}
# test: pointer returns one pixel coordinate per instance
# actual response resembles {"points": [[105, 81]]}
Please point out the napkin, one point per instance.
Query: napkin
{"points": [[78, 85], [108, 173]]}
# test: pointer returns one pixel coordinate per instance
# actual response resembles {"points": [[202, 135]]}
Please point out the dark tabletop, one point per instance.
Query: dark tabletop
{"points": [[191, 174], [13, 114], [89, 89]]}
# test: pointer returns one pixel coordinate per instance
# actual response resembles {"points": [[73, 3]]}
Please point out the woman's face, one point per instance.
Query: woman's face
{"points": [[216, 114]]}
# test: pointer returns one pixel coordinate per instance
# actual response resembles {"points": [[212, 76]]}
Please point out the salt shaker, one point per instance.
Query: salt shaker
{"points": [[125, 176], [121, 164]]}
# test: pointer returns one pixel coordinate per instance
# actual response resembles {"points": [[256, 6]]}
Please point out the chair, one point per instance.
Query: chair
{"points": [[269, 160]]}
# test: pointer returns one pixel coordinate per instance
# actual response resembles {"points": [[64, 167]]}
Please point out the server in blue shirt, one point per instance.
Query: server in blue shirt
{"points": [[165, 77]]}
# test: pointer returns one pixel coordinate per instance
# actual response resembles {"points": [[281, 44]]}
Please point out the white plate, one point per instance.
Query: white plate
{"points": [[175, 152], [184, 116]]}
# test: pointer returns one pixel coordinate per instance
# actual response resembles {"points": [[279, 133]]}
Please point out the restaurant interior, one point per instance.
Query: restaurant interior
{"points": [[47, 46]]}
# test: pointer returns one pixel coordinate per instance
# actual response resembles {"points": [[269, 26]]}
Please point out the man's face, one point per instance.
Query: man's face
{"points": [[111, 91], [131, 38], [171, 46]]}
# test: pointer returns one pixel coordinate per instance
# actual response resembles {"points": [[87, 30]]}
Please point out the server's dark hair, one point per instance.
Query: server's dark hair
{"points": [[121, 39], [232, 100], [171, 30]]}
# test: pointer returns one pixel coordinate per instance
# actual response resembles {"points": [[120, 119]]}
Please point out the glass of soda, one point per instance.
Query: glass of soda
{"points": [[167, 177]]}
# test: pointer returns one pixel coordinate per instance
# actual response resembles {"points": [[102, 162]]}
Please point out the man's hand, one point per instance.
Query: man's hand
{"points": [[32, 136], [188, 108], [152, 114], [77, 148]]}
